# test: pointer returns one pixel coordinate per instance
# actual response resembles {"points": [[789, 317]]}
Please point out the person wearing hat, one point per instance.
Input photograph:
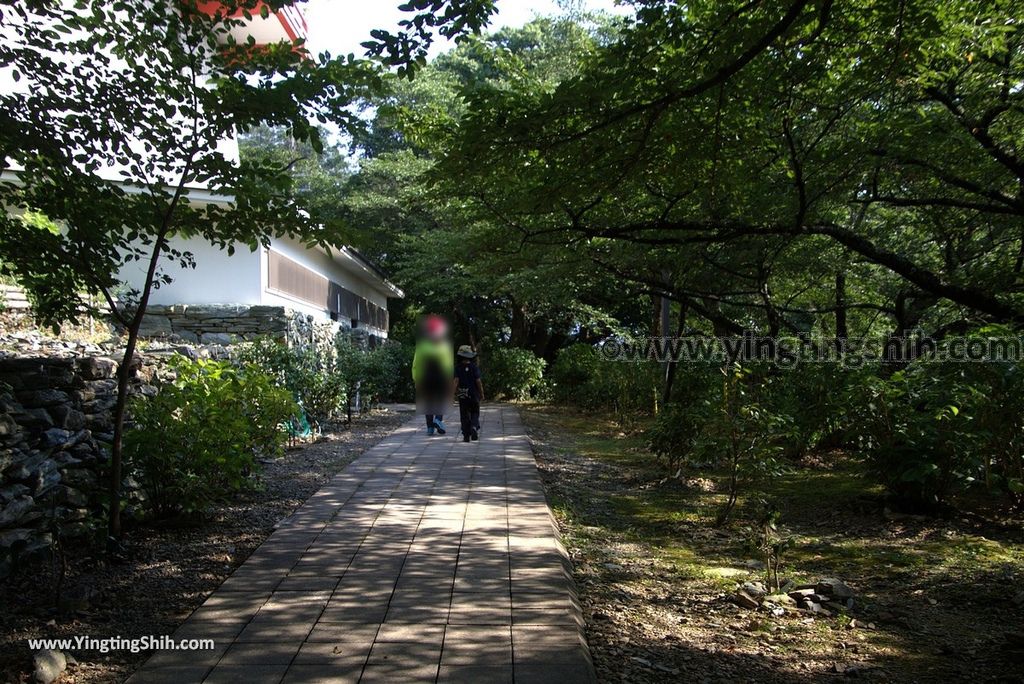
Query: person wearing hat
{"points": [[469, 390]]}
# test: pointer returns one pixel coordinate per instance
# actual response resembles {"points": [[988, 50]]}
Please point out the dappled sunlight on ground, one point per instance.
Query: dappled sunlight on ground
{"points": [[656, 576]]}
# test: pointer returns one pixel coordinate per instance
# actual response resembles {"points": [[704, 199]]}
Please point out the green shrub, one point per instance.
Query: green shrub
{"points": [[811, 397], [582, 377], [728, 424], [573, 369], [675, 433], [512, 373], [386, 374], [196, 441], [934, 429], [314, 379], [322, 381]]}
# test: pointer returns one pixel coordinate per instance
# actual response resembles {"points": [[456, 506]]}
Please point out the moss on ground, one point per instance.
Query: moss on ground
{"points": [[622, 513]]}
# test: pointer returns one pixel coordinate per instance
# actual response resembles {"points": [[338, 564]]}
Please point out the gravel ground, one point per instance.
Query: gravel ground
{"points": [[166, 572]]}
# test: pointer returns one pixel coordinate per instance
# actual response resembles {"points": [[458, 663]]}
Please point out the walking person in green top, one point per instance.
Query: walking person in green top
{"points": [[433, 369]]}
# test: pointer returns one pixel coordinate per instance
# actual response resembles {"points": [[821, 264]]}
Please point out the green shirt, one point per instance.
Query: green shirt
{"points": [[427, 350]]}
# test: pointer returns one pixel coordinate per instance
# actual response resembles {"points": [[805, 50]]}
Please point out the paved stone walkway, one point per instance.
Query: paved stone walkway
{"points": [[425, 560]]}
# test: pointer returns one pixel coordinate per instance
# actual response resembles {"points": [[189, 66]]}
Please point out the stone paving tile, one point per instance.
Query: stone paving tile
{"points": [[329, 654], [425, 559], [278, 653], [256, 674]]}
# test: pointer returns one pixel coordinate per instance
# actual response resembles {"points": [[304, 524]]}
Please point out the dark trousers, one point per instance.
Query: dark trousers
{"points": [[469, 415], [431, 418]]}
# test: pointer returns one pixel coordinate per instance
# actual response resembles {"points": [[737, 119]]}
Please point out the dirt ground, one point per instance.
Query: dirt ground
{"points": [[167, 572], [936, 600]]}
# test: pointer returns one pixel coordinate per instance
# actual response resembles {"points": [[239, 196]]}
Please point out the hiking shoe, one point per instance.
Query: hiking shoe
{"points": [[439, 424], [430, 432], [474, 436], [465, 438]]}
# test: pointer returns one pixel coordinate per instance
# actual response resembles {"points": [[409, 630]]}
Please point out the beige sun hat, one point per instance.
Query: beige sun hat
{"points": [[466, 352]]}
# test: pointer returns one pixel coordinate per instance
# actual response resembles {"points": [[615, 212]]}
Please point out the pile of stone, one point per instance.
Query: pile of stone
{"points": [[825, 597], [56, 426], [56, 418]]}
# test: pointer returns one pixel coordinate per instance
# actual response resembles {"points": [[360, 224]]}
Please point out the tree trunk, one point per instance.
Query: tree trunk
{"points": [[519, 334], [900, 349], [116, 449], [842, 329], [555, 343], [656, 329], [537, 337], [123, 377], [671, 366]]}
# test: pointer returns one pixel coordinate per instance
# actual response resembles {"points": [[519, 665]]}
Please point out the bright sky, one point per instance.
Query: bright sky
{"points": [[339, 26]]}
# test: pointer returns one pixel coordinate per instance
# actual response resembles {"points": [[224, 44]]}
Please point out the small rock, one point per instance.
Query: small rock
{"points": [[97, 368], [49, 664], [12, 492], [68, 418], [781, 599], [834, 588], [14, 537], [41, 398], [745, 600], [755, 589], [615, 567], [55, 437], [16, 510], [817, 609]]}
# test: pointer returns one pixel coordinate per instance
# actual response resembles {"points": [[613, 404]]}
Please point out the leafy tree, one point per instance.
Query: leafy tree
{"points": [[114, 134], [449, 256], [318, 177], [718, 144], [843, 169]]}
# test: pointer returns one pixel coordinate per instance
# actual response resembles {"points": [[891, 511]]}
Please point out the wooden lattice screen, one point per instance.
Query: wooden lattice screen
{"points": [[292, 278]]}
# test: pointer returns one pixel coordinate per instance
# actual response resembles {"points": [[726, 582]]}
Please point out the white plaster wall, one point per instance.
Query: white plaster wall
{"points": [[216, 279], [243, 277]]}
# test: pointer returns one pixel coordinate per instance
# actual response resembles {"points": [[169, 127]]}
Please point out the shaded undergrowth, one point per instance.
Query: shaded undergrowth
{"points": [[938, 592]]}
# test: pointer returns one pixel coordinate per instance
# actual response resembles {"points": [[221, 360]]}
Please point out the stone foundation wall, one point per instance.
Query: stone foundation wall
{"points": [[57, 397], [55, 433], [229, 323], [215, 323]]}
